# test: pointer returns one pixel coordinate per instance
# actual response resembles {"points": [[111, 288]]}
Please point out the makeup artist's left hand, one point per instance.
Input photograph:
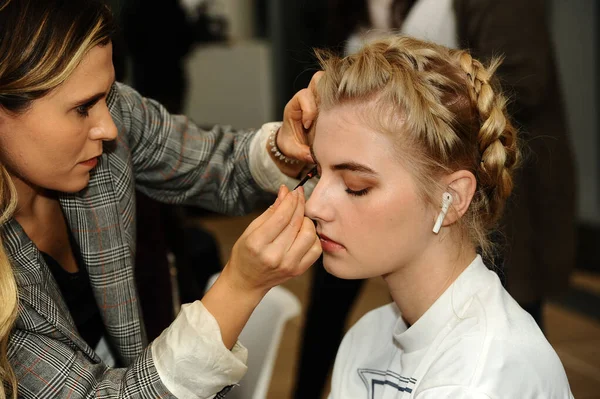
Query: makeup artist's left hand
{"points": [[298, 116]]}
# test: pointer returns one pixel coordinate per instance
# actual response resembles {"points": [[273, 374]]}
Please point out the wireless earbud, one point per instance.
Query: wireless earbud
{"points": [[446, 201]]}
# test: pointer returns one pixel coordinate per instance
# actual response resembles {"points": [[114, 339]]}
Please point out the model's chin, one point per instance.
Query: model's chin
{"points": [[341, 269]]}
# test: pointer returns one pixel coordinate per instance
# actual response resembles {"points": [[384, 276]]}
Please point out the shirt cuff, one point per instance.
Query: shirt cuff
{"points": [[192, 360], [263, 168]]}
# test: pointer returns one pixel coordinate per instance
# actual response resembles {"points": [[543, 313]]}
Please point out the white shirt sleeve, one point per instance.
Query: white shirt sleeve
{"points": [[191, 359], [263, 168]]}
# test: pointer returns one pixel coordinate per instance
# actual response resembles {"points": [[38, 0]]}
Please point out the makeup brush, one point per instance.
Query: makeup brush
{"points": [[312, 173]]}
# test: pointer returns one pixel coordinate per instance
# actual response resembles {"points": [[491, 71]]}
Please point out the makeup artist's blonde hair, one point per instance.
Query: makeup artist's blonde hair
{"points": [[8, 288], [445, 112], [42, 42]]}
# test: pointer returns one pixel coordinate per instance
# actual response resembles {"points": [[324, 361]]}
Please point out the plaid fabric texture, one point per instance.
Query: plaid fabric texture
{"points": [[166, 157]]}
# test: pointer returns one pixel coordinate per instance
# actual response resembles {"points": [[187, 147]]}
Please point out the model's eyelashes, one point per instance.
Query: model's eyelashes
{"points": [[358, 186], [358, 193]]}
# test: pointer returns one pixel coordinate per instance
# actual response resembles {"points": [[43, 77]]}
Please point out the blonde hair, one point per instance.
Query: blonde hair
{"points": [[8, 287], [41, 44], [445, 111]]}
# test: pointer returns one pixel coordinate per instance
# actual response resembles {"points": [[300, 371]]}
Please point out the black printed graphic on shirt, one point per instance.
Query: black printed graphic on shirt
{"points": [[378, 381]]}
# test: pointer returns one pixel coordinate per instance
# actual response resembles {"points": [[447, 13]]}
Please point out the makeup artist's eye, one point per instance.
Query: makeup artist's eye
{"points": [[358, 193], [83, 110]]}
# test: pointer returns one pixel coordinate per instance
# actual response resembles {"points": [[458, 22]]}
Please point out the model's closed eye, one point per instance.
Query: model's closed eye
{"points": [[358, 193], [358, 185]]}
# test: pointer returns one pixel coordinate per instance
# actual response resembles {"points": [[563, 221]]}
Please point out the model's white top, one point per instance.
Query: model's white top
{"points": [[475, 341]]}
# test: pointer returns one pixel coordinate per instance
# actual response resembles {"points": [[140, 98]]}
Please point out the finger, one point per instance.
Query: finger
{"points": [[285, 240], [260, 220], [283, 190], [302, 107], [308, 105], [305, 250], [314, 81], [311, 256], [307, 118], [276, 223]]}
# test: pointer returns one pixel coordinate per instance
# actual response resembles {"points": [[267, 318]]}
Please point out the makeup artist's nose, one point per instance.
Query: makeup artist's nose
{"points": [[317, 207], [104, 129]]}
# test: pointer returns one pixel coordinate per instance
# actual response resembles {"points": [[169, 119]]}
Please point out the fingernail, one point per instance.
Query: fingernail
{"points": [[307, 124]]}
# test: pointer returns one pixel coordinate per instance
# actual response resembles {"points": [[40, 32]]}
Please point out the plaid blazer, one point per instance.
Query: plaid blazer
{"points": [[166, 157]]}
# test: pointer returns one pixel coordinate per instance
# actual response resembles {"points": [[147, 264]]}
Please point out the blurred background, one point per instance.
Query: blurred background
{"points": [[240, 61]]}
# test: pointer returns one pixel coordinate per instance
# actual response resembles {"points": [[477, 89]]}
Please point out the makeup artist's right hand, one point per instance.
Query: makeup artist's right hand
{"points": [[280, 244]]}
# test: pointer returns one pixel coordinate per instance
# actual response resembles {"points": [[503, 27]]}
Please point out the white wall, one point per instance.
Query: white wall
{"points": [[240, 14], [231, 84], [574, 27]]}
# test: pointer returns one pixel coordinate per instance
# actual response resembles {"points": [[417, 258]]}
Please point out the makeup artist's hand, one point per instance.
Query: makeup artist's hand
{"points": [[280, 244], [298, 116]]}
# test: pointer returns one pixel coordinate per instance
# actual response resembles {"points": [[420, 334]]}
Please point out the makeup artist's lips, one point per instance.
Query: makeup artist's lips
{"points": [[90, 163], [328, 244]]}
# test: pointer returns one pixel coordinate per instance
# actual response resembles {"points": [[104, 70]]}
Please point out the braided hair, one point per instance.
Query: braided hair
{"points": [[445, 111]]}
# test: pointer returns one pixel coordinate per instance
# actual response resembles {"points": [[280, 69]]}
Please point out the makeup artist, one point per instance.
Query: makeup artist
{"points": [[73, 146]]}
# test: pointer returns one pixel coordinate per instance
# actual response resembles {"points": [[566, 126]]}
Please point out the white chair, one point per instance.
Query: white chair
{"points": [[261, 336]]}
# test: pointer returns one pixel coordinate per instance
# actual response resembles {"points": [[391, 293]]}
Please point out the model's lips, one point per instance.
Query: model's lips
{"points": [[328, 244]]}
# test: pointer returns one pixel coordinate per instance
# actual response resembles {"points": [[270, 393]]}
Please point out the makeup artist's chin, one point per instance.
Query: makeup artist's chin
{"points": [[77, 184], [78, 180]]}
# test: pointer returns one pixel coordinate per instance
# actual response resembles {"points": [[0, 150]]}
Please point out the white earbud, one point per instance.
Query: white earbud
{"points": [[446, 201]]}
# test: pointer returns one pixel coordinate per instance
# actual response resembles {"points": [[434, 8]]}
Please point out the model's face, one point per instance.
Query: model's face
{"points": [[55, 143], [369, 214]]}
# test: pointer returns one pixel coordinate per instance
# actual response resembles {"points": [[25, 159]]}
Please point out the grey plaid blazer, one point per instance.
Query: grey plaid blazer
{"points": [[171, 160]]}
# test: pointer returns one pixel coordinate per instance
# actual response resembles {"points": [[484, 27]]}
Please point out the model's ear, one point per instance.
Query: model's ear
{"points": [[461, 185]]}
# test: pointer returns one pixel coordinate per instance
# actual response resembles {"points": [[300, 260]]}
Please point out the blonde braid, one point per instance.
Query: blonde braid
{"points": [[497, 138], [444, 112]]}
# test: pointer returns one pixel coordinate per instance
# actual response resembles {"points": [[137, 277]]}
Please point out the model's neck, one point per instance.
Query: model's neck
{"points": [[415, 287]]}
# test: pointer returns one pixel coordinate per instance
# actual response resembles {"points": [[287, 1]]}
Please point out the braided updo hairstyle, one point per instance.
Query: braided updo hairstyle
{"points": [[444, 111]]}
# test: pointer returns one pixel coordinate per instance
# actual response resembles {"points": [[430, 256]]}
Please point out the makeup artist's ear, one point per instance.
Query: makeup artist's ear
{"points": [[461, 184]]}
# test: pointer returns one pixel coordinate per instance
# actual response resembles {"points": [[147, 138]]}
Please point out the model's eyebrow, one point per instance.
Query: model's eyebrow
{"points": [[355, 167], [351, 166]]}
